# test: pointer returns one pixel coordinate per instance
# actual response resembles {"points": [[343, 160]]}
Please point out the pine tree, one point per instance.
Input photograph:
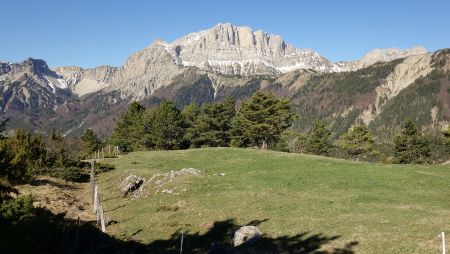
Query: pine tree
{"points": [[129, 130], [190, 114], [166, 131], [212, 127], [357, 141], [410, 146], [261, 120], [318, 140], [91, 141]]}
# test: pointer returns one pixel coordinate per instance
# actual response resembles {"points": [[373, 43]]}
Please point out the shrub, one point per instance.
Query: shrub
{"points": [[16, 210], [104, 167], [73, 174]]}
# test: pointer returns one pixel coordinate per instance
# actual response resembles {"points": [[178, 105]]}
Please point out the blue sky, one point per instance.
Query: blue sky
{"points": [[92, 33]]}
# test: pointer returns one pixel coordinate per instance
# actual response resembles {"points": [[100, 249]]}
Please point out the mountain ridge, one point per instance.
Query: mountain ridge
{"points": [[64, 97], [223, 49]]}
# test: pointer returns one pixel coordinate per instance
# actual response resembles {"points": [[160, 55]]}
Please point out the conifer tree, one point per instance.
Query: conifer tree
{"points": [[166, 131], [357, 140], [318, 140], [190, 114], [212, 126], [129, 130], [91, 141], [261, 120], [410, 146]]}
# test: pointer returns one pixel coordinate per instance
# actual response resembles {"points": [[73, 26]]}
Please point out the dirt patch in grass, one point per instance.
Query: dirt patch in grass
{"points": [[59, 196]]}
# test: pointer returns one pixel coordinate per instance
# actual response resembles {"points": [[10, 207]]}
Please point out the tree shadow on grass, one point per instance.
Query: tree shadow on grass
{"points": [[117, 207], [40, 182], [218, 240], [49, 233]]}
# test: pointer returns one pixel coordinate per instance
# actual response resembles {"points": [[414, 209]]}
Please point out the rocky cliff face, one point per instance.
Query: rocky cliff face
{"points": [[233, 50], [224, 49], [143, 72], [31, 85], [5, 67], [402, 76]]}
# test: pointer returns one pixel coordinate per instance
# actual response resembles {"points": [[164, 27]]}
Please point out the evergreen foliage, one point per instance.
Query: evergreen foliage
{"points": [[212, 126], [16, 210], [357, 140], [91, 142], [261, 121], [129, 130], [165, 127], [318, 140], [20, 153], [190, 114], [410, 146]]}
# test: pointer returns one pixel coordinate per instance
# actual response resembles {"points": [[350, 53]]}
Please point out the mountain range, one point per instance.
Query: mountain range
{"points": [[229, 60]]}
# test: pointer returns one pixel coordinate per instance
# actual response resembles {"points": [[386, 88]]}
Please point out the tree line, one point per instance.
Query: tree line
{"points": [[260, 122], [263, 121]]}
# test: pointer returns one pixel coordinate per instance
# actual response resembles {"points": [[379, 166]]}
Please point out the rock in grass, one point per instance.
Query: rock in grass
{"points": [[130, 184], [246, 234]]}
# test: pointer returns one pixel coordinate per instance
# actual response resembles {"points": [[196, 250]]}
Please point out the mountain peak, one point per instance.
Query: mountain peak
{"points": [[238, 50], [37, 65], [225, 25]]}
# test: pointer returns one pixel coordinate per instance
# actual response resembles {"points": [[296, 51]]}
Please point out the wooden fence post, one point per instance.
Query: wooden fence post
{"points": [[98, 209], [182, 238], [102, 219], [443, 242], [96, 201], [92, 180]]}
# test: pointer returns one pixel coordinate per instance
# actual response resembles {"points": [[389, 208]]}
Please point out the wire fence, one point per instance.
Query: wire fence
{"points": [[97, 207]]}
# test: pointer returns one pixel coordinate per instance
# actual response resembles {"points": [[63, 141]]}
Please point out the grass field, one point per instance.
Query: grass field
{"points": [[312, 200]]}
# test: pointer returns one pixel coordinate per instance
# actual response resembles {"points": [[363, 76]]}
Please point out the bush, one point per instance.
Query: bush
{"points": [[16, 210], [73, 174], [104, 167]]}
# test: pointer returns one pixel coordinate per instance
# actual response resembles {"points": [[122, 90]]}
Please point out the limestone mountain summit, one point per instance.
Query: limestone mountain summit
{"points": [[224, 49], [235, 50], [210, 65]]}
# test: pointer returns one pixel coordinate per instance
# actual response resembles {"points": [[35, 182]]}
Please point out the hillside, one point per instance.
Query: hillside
{"points": [[298, 201]]}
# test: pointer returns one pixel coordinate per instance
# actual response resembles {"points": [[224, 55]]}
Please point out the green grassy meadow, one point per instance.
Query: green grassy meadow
{"points": [[384, 208]]}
